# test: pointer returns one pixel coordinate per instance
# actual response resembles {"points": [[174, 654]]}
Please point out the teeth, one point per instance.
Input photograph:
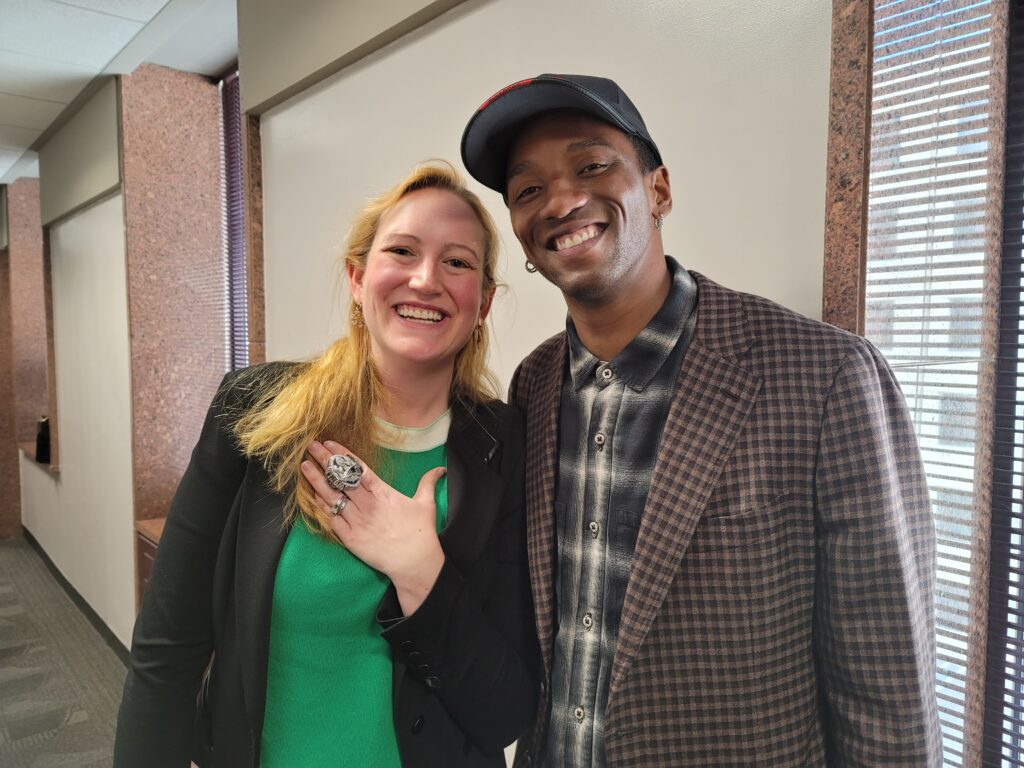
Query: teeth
{"points": [[581, 236], [418, 313]]}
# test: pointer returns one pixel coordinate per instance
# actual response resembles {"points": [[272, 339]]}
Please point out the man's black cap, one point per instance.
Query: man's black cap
{"points": [[494, 126]]}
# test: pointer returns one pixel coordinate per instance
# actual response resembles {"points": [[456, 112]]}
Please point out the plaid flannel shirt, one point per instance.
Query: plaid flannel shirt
{"points": [[611, 418]]}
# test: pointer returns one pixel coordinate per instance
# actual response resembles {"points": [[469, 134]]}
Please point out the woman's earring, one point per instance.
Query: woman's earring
{"points": [[355, 315], [530, 267], [659, 221], [478, 332]]}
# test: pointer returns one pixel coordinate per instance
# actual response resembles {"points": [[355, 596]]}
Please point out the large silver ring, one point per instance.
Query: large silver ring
{"points": [[343, 472], [339, 505]]}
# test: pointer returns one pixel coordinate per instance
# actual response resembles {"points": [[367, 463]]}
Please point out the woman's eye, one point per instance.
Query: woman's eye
{"points": [[400, 250], [459, 264]]}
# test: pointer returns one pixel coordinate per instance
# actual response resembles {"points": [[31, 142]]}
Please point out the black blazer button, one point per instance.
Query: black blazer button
{"points": [[415, 656], [527, 759], [417, 725], [433, 681]]}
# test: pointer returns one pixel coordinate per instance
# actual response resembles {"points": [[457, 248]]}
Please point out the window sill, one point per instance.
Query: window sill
{"points": [[29, 449]]}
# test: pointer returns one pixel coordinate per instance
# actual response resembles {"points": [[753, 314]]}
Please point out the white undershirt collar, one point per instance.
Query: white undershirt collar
{"points": [[415, 439]]}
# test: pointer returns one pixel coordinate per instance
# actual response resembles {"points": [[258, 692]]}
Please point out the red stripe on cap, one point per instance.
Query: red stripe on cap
{"points": [[503, 91]]}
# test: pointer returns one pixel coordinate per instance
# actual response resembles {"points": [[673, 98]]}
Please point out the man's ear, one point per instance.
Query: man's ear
{"points": [[355, 282], [659, 191]]}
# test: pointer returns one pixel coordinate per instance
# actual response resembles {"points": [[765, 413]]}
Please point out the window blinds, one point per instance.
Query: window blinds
{"points": [[234, 223], [928, 180], [1004, 700]]}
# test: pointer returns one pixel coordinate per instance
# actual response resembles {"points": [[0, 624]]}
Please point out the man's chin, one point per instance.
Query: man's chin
{"points": [[589, 291]]}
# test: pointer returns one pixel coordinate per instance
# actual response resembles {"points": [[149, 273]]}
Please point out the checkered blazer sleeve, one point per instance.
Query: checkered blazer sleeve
{"points": [[874, 630]]}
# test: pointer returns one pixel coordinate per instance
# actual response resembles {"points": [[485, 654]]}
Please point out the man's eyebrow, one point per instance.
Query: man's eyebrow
{"points": [[576, 146], [517, 169]]}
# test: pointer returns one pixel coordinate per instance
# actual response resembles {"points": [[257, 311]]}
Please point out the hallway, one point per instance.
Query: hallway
{"points": [[60, 683]]}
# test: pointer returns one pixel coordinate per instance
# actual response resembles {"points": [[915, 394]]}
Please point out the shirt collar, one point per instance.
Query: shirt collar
{"points": [[638, 363]]}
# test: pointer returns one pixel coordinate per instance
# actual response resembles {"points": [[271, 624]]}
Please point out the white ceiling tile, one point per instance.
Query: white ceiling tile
{"points": [[12, 137], [42, 79], [138, 10], [60, 32], [28, 113]]}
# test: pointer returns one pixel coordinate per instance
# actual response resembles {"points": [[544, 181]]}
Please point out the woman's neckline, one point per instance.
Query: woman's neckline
{"points": [[415, 439]]}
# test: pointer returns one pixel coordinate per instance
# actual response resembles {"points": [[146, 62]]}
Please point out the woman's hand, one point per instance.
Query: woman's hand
{"points": [[384, 528]]}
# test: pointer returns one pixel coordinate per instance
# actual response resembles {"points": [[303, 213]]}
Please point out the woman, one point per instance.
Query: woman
{"points": [[293, 621]]}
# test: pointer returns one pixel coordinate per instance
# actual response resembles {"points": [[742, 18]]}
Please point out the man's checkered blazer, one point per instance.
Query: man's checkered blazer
{"points": [[780, 606]]}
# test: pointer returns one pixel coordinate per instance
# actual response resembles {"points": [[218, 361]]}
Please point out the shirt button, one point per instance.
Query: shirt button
{"points": [[600, 439], [594, 528], [588, 621], [606, 374], [578, 713]]}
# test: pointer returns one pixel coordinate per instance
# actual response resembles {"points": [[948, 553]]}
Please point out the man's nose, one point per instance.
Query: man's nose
{"points": [[563, 196]]}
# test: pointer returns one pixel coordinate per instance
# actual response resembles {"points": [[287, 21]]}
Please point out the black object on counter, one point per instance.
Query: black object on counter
{"points": [[43, 441]]}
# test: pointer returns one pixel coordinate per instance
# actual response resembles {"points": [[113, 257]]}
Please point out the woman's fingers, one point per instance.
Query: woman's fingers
{"points": [[427, 484], [323, 452], [315, 477]]}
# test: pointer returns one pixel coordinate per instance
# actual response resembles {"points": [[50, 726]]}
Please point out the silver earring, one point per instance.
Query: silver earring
{"points": [[659, 221], [530, 267]]}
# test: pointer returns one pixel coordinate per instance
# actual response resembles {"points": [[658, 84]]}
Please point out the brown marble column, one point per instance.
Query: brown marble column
{"points": [[171, 161], [26, 343], [254, 237], [849, 142], [28, 309], [10, 485]]}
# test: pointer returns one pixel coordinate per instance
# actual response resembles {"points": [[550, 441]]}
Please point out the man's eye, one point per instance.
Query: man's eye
{"points": [[593, 167], [525, 192]]}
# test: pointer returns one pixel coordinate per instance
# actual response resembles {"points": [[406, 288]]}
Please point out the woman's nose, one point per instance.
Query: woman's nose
{"points": [[425, 277]]}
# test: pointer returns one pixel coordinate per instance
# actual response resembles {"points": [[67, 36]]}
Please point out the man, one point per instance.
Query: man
{"points": [[730, 538]]}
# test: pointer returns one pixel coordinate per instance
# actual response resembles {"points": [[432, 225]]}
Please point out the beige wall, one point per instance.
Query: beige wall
{"points": [[284, 48], [82, 517], [81, 162], [735, 93]]}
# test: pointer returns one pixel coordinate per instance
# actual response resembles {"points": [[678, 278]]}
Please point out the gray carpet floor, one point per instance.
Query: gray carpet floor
{"points": [[60, 684]]}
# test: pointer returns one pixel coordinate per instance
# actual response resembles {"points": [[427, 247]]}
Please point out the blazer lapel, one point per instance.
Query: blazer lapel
{"points": [[472, 504], [541, 463], [713, 400], [260, 540]]}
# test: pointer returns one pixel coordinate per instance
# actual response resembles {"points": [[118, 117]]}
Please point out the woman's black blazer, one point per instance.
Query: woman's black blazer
{"points": [[464, 671]]}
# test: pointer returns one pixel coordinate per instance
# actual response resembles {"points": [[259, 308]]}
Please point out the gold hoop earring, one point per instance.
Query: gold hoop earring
{"points": [[530, 267], [478, 332], [355, 315]]}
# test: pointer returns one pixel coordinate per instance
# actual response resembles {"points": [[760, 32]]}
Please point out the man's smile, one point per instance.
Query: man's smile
{"points": [[576, 237]]}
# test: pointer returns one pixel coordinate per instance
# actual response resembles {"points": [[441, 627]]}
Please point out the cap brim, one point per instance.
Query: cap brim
{"points": [[492, 130]]}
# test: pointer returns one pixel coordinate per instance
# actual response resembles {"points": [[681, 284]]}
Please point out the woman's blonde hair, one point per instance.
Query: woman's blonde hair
{"points": [[337, 395]]}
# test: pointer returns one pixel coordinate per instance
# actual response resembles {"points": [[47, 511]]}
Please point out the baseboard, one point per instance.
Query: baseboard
{"points": [[108, 637]]}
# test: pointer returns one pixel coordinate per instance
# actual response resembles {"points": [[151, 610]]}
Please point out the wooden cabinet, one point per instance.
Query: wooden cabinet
{"points": [[147, 537]]}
